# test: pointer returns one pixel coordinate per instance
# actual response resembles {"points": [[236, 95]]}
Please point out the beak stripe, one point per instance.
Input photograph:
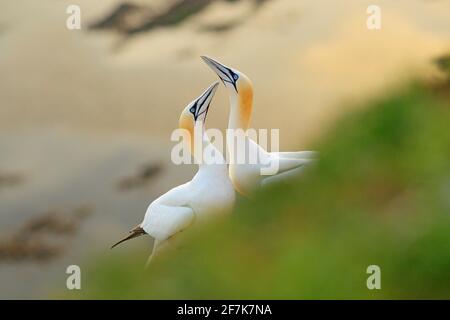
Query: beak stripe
{"points": [[223, 70], [200, 105], [225, 74]]}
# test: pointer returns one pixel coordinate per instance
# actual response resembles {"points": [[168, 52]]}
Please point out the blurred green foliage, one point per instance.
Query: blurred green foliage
{"points": [[380, 194]]}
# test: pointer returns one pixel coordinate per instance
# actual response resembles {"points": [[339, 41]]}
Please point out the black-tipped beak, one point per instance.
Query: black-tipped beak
{"points": [[201, 105], [225, 74], [135, 232]]}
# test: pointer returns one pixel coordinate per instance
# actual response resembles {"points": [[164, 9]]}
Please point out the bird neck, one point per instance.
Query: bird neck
{"points": [[241, 108], [202, 150], [197, 141]]}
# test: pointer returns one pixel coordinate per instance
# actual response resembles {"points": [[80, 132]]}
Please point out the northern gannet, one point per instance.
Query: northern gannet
{"points": [[247, 177], [210, 192]]}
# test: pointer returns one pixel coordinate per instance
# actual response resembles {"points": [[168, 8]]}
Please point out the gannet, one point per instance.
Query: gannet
{"points": [[246, 177], [210, 192]]}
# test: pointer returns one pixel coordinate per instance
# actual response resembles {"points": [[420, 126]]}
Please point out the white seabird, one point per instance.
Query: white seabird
{"points": [[210, 192], [247, 177]]}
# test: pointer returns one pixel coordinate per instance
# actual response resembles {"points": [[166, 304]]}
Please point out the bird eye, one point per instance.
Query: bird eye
{"points": [[192, 109], [235, 77]]}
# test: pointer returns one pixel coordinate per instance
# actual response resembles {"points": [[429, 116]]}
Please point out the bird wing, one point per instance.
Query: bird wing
{"points": [[296, 155], [282, 176], [165, 221], [287, 167], [289, 164]]}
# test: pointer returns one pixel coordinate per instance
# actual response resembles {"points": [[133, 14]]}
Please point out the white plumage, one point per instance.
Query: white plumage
{"points": [[210, 192], [247, 177]]}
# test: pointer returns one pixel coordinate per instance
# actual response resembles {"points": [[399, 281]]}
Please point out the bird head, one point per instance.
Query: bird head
{"points": [[239, 86], [233, 79], [197, 110]]}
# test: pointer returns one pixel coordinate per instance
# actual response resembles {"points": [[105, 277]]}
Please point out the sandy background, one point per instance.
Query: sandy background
{"points": [[80, 110]]}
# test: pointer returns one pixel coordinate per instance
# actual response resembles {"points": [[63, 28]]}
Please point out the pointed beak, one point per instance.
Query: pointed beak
{"points": [[204, 101], [134, 233], [225, 74], [221, 70]]}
